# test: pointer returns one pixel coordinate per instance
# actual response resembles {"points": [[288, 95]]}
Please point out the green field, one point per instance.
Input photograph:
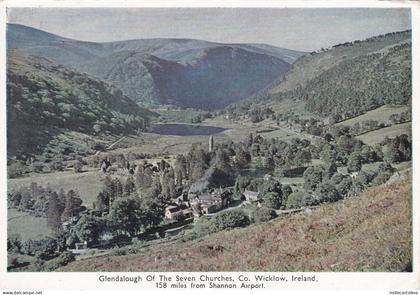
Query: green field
{"points": [[379, 135], [26, 226], [380, 114], [374, 166]]}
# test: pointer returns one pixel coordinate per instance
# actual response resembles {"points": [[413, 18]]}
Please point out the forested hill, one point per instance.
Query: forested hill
{"points": [[347, 79], [44, 98]]}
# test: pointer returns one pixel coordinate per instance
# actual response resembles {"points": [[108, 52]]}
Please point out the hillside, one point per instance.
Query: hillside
{"points": [[370, 232], [183, 72], [347, 79], [56, 99]]}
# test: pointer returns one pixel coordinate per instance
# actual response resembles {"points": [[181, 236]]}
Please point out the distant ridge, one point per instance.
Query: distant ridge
{"points": [[184, 72]]}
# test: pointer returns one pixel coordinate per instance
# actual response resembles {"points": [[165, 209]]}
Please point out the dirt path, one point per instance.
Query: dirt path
{"points": [[112, 144]]}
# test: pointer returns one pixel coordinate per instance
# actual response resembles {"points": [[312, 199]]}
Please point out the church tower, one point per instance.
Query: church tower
{"points": [[211, 143]]}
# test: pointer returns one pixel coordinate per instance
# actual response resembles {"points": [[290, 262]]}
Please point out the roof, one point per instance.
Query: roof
{"points": [[251, 194], [207, 198], [172, 209]]}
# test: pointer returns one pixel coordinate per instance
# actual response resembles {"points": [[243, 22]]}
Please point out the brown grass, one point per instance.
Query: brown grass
{"points": [[372, 232]]}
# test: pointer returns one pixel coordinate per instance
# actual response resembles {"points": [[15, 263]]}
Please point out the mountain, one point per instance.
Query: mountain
{"points": [[369, 232], [54, 99], [345, 80], [183, 72]]}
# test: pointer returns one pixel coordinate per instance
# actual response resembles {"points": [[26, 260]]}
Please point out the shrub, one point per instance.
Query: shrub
{"points": [[13, 244], [119, 252], [12, 261], [16, 169], [225, 220], [64, 259], [42, 249], [272, 200], [263, 214], [300, 199], [230, 219], [382, 177], [77, 167], [327, 193]]}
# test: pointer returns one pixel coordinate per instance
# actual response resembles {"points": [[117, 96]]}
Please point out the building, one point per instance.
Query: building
{"points": [[211, 203], [251, 195], [211, 144], [176, 212]]}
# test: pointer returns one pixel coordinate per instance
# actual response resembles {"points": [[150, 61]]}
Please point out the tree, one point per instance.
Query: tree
{"points": [[300, 199], [129, 186], [144, 177], [229, 219], [328, 154], [53, 212], [45, 248], [88, 228], [303, 157], [312, 177], [286, 191], [72, 205], [326, 192], [112, 190], [263, 214], [243, 159], [269, 164], [391, 153], [180, 169], [344, 186], [102, 202], [197, 163], [77, 166], [368, 154], [127, 215], [168, 184], [354, 163], [223, 161], [272, 200]]}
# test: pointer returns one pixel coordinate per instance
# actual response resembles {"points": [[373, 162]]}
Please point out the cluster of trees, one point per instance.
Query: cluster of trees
{"points": [[361, 84], [397, 149], [49, 252], [230, 219], [272, 194], [200, 118], [324, 185], [40, 201], [257, 114], [400, 118]]}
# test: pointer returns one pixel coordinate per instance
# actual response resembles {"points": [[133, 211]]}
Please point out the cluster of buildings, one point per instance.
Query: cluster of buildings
{"points": [[199, 204], [194, 206]]}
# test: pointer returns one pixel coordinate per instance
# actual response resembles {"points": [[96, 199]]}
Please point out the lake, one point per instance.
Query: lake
{"points": [[185, 129]]}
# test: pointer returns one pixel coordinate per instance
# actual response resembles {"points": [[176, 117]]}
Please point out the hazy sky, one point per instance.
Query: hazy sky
{"points": [[300, 29]]}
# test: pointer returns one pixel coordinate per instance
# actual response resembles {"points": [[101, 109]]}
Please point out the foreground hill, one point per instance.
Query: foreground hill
{"points": [[184, 72], [53, 98], [347, 79], [370, 232]]}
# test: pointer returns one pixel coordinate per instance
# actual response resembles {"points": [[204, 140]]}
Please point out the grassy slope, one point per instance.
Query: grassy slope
{"points": [[380, 114], [379, 135], [372, 232]]}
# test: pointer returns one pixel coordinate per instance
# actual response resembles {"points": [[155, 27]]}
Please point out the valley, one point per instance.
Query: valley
{"points": [[143, 148]]}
